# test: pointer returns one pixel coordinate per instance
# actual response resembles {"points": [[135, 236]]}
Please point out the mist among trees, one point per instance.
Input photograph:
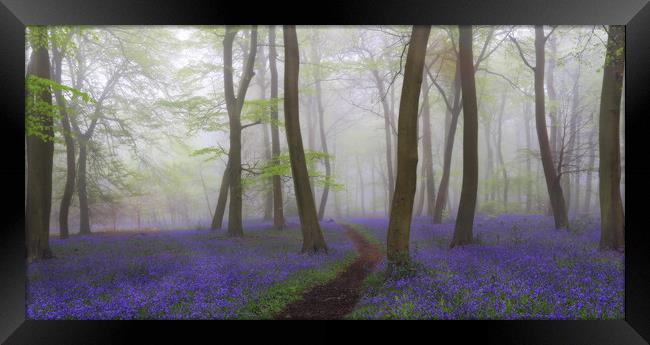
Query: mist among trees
{"points": [[411, 132]]}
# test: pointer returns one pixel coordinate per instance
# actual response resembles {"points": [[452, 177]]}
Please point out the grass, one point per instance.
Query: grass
{"points": [[279, 295], [367, 235]]}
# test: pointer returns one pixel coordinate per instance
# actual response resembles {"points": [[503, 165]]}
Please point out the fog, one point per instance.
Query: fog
{"points": [[159, 127]]}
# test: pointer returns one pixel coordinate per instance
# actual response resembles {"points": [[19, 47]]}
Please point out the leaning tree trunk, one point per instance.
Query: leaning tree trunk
{"points": [[552, 97], [399, 224], [71, 169], [278, 215], [443, 189], [552, 181], [234, 104], [217, 219], [467, 205], [313, 240], [612, 220], [40, 154]]}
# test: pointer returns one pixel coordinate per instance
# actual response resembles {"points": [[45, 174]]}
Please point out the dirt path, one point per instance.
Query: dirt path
{"points": [[336, 298]]}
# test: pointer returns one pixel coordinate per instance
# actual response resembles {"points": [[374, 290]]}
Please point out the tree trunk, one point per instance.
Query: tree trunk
{"points": [[489, 195], [40, 155], [278, 214], [217, 220], [321, 128], [590, 168], [82, 189], [443, 190], [361, 189], [387, 133], [529, 180], [407, 150], [420, 191], [502, 164], [71, 169], [612, 220], [573, 136], [467, 205], [313, 240], [268, 193], [552, 181], [427, 154], [234, 104], [552, 96], [205, 192]]}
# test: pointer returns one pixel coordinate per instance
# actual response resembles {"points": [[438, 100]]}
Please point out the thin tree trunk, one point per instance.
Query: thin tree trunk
{"points": [[590, 168], [502, 164], [84, 212], [278, 213], [552, 181], [321, 126], [407, 150], [552, 97], [268, 193], [361, 189], [422, 191], [427, 159], [573, 133], [443, 190], [220, 210], [467, 205], [387, 133], [612, 218], [205, 192], [40, 157], [489, 194], [313, 240], [71, 169], [529, 180], [234, 104]]}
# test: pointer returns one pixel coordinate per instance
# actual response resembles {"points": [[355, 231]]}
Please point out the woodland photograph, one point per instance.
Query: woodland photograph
{"points": [[325, 172]]}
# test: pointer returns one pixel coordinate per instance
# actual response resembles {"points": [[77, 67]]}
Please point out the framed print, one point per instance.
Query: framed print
{"points": [[404, 160]]}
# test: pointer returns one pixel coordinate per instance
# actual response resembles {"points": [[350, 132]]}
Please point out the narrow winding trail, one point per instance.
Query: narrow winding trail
{"points": [[336, 298]]}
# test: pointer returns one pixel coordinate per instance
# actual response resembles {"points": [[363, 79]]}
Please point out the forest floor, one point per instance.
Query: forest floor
{"points": [[338, 297]]}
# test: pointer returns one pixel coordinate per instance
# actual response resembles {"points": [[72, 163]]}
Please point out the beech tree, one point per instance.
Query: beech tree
{"points": [[312, 237], [553, 186], [465, 218], [278, 214], [40, 147], [401, 211], [612, 218], [234, 104]]}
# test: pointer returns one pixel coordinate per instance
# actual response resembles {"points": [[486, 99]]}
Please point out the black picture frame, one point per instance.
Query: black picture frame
{"points": [[16, 14]]}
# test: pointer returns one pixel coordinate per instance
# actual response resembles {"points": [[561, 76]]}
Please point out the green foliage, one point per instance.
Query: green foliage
{"points": [[279, 295], [39, 112], [282, 167], [211, 151], [259, 110]]}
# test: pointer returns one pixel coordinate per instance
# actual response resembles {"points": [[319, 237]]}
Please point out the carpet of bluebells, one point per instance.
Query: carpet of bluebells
{"points": [[520, 268], [190, 274]]}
